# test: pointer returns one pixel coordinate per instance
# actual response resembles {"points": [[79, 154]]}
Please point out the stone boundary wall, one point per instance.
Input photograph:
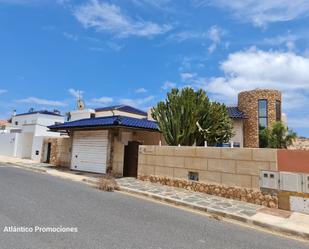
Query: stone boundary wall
{"points": [[238, 167], [61, 151], [241, 194]]}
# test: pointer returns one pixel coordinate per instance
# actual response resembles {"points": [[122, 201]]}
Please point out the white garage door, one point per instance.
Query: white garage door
{"points": [[89, 151]]}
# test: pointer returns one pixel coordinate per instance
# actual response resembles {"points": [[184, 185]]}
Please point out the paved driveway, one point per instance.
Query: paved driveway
{"points": [[110, 220]]}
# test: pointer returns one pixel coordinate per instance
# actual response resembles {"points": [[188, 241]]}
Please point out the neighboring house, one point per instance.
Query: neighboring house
{"points": [[107, 139], [3, 126], [25, 134]]}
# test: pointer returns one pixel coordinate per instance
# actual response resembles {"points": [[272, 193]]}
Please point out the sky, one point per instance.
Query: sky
{"points": [[134, 51]]}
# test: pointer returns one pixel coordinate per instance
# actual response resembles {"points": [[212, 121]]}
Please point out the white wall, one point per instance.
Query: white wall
{"points": [[116, 112], [239, 132], [37, 146], [25, 145], [8, 144], [37, 123], [81, 114]]}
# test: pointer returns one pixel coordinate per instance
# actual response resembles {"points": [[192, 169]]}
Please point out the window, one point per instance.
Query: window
{"points": [[92, 115], [278, 110], [16, 123], [263, 114], [263, 121]]}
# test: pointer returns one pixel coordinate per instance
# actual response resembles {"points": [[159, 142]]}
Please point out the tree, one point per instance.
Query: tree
{"points": [[186, 117], [215, 126], [177, 115], [279, 136]]}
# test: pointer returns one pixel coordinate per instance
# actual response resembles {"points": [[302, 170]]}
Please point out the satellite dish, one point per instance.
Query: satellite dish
{"points": [[80, 104]]}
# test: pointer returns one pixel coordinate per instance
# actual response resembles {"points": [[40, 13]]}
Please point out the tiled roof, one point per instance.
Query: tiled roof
{"points": [[40, 112], [3, 122], [123, 108], [235, 113], [108, 122]]}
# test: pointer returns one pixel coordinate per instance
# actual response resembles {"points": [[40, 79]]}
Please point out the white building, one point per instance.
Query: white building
{"points": [[25, 134]]}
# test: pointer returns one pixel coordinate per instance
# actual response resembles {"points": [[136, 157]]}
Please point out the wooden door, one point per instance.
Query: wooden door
{"points": [[130, 159]]}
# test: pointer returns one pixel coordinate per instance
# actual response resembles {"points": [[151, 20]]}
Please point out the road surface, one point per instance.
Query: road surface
{"points": [[97, 219]]}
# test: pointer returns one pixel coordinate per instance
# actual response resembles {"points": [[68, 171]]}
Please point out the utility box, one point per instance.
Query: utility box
{"points": [[291, 182], [269, 179], [306, 183], [299, 204]]}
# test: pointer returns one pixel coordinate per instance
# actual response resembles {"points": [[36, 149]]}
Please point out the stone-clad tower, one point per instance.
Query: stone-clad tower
{"points": [[262, 108]]}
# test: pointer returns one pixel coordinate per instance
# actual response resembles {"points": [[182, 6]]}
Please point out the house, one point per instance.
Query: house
{"points": [[25, 134], [3, 126], [107, 139]]}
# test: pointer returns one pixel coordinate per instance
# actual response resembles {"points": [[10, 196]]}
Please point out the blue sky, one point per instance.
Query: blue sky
{"points": [[134, 51]]}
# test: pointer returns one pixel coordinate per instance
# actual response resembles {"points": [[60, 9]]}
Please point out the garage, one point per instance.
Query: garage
{"points": [[89, 151]]}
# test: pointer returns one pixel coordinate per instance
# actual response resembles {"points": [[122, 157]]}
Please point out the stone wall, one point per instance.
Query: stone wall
{"points": [[238, 167], [300, 144], [241, 194], [61, 151], [121, 138], [248, 103]]}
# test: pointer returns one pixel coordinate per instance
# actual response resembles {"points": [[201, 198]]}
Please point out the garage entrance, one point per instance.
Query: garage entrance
{"points": [[89, 151], [130, 159]]}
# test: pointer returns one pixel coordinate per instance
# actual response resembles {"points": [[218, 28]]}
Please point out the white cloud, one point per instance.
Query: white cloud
{"points": [[159, 4], [187, 35], [287, 40], [215, 34], [140, 102], [108, 17], [2, 91], [168, 85], [187, 76], [141, 90], [102, 100], [70, 36], [76, 93], [254, 68], [38, 101], [262, 12]]}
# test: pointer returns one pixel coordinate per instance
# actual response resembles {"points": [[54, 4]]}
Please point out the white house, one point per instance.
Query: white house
{"points": [[25, 134]]}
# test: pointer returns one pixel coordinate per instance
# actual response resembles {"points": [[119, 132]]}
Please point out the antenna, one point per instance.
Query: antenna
{"points": [[80, 102]]}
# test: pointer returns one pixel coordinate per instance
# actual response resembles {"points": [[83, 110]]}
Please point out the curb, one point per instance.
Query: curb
{"points": [[211, 211], [19, 165]]}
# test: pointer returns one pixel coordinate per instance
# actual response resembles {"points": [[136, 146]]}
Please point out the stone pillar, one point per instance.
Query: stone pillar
{"points": [[248, 103]]}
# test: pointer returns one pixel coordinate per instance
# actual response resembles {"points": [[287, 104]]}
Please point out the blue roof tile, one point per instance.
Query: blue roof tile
{"points": [[235, 113], [40, 112], [108, 122]]}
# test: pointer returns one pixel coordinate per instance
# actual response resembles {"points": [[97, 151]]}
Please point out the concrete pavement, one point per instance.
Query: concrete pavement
{"points": [[111, 220]]}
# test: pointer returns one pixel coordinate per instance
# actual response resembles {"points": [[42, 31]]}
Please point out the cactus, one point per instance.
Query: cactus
{"points": [[187, 117]]}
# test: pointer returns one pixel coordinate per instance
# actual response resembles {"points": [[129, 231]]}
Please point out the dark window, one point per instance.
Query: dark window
{"points": [[92, 115], [263, 114], [278, 110], [16, 123]]}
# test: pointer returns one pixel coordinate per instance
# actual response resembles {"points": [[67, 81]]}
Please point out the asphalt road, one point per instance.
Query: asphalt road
{"points": [[110, 220]]}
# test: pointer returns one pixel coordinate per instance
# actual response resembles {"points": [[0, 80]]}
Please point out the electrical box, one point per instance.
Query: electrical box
{"points": [[269, 179], [306, 184], [291, 181], [299, 204]]}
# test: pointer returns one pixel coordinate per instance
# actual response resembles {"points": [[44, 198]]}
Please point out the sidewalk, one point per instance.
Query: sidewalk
{"points": [[291, 223]]}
